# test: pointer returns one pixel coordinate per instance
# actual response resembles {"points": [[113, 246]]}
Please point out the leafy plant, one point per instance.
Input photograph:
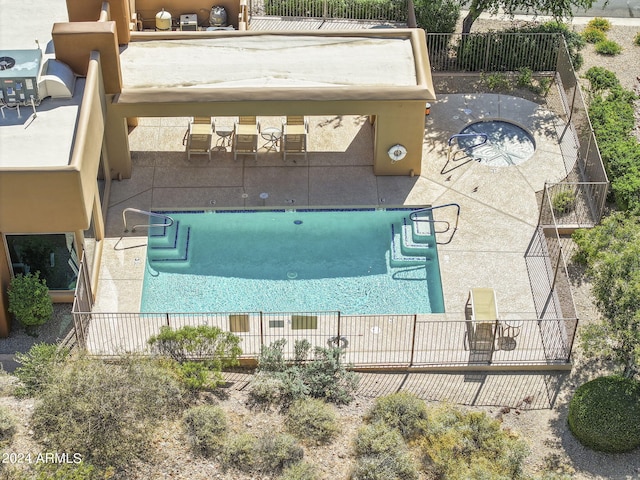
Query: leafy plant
{"points": [[377, 439], [636, 39], [563, 202], [608, 47], [206, 426], [599, 23], [439, 16], [603, 414], [403, 411], [497, 81], [312, 420], [239, 452], [593, 35], [269, 454], [37, 367], [601, 79], [387, 466], [29, 299]]}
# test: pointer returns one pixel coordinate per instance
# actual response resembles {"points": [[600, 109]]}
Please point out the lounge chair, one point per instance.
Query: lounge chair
{"points": [[199, 136], [294, 137], [482, 324], [245, 139]]}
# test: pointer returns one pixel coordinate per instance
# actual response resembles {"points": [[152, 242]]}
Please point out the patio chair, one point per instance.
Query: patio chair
{"points": [[245, 139], [198, 137], [294, 137], [481, 314]]}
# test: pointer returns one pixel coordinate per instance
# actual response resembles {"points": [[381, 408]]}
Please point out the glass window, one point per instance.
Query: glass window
{"points": [[53, 255]]}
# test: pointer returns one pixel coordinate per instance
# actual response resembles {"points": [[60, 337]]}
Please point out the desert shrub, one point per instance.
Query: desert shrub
{"points": [[239, 452], [201, 342], [604, 413], [471, 445], [206, 426], [593, 35], [599, 23], [106, 412], [29, 299], [385, 466], [601, 79], [608, 47], [280, 382], [636, 39], [69, 471], [276, 452], [7, 426], [377, 439], [403, 411], [37, 366], [563, 202], [300, 471], [312, 420]]}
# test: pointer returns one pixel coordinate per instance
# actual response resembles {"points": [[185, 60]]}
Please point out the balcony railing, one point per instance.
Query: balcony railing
{"points": [[389, 10]]}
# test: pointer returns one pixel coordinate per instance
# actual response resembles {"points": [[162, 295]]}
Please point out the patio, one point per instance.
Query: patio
{"points": [[498, 218]]}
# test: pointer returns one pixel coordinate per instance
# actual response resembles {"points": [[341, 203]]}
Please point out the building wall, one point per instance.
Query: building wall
{"points": [[147, 10], [56, 200]]}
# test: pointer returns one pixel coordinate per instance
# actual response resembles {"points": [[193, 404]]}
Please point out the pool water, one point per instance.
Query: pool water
{"points": [[357, 261], [507, 143]]}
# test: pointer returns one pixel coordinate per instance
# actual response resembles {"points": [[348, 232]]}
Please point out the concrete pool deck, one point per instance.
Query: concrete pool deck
{"points": [[498, 217]]}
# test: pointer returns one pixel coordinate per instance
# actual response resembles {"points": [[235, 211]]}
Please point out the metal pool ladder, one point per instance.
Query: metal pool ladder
{"points": [[483, 137], [414, 217], [168, 219]]}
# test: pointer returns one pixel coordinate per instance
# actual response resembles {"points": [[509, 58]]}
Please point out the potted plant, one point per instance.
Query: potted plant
{"points": [[29, 300]]}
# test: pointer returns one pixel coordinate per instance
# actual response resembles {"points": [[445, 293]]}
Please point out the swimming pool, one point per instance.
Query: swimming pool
{"points": [[356, 261]]}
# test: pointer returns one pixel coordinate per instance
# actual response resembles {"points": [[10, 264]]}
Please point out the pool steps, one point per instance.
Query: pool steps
{"points": [[169, 244], [410, 244]]}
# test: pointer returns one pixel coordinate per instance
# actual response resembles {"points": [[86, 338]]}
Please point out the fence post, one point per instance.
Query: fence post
{"points": [[261, 332], [413, 338], [167, 318], [339, 320]]}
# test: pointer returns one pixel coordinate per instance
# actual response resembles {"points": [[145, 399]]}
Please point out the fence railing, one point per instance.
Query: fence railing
{"points": [[389, 10], [569, 205], [367, 340]]}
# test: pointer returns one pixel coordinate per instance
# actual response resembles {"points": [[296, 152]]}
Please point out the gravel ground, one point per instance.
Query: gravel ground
{"points": [[545, 430]]}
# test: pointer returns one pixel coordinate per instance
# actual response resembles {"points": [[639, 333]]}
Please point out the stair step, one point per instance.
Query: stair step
{"points": [[423, 228], [164, 237], [397, 257], [180, 252], [411, 244]]}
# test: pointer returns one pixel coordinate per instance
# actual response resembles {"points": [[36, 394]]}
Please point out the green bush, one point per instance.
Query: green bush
{"points": [[201, 342], [593, 35], [403, 411], [511, 54], [206, 426], [462, 444], [106, 412], [563, 202], [239, 452], [604, 413], [599, 23], [437, 16], [268, 389], [377, 439], [37, 366], [300, 471], [608, 47], [29, 299], [497, 81], [7, 426], [312, 420], [636, 39], [385, 466], [68, 471], [601, 79], [328, 378]]}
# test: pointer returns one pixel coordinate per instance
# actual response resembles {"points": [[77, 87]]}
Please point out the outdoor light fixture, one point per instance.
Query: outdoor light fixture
{"points": [[397, 152]]}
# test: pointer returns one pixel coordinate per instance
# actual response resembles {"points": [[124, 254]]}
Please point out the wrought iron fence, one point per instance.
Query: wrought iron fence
{"points": [[367, 340], [389, 10]]}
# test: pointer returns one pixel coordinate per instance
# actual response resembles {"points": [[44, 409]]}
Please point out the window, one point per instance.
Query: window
{"points": [[53, 255]]}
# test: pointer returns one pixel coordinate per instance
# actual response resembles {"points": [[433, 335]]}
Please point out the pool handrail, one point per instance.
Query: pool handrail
{"points": [[168, 223], [484, 137], [413, 216]]}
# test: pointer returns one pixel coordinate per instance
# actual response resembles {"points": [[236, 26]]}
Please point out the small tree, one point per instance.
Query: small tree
{"points": [[29, 299], [612, 254], [437, 16]]}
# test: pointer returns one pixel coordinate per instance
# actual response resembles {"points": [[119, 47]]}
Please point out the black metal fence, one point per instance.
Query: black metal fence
{"points": [[367, 340], [388, 10]]}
